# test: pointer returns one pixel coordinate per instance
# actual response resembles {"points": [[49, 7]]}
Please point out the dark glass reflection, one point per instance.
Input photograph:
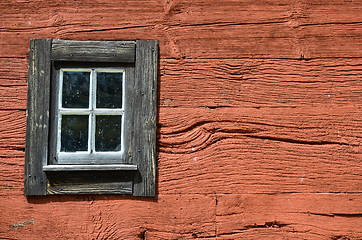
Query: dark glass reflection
{"points": [[109, 90], [108, 133], [74, 135], [75, 89]]}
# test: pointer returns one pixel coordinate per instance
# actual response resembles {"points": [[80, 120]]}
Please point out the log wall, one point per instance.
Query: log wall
{"points": [[259, 126]]}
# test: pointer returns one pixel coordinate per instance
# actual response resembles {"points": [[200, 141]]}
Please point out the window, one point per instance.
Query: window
{"points": [[89, 122], [91, 117]]}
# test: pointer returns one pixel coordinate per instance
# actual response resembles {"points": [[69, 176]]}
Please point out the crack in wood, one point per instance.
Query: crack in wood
{"points": [[226, 24], [346, 215], [273, 224], [213, 107], [340, 237], [328, 23], [289, 140], [113, 29], [142, 234]]}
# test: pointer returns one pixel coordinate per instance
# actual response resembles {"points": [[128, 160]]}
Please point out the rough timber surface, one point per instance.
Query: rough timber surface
{"points": [[259, 124], [231, 83]]}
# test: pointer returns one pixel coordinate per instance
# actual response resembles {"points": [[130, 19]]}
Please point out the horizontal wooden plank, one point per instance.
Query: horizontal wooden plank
{"points": [[112, 217], [11, 173], [260, 150], [230, 83], [90, 182], [93, 51], [274, 40], [290, 216], [94, 188], [258, 83], [190, 12], [318, 125], [261, 166], [13, 83], [201, 29], [183, 128], [12, 130], [187, 11]]}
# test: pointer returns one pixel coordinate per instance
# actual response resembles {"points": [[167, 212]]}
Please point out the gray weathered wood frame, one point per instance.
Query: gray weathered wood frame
{"points": [[40, 169], [37, 121]]}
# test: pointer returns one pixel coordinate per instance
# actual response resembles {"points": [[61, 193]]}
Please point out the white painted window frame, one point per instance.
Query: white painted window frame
{"points": [[91, 156]]}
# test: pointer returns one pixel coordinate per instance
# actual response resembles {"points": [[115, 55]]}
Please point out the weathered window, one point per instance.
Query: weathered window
{"points": [[91, 117], [89, 124]]}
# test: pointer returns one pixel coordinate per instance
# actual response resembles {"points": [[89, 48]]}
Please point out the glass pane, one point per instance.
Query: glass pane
{"points": [[74, 133], [108, 133], [75, 89], [109, 90]]}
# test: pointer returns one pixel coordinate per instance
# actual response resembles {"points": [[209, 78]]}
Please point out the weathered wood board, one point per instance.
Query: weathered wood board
{"points": [[231, 83], [189, 29], [259, 120], [289, 216]]}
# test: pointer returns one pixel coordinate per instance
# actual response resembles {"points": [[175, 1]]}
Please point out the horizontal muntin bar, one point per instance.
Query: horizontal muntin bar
{"points": [[84, 111]]}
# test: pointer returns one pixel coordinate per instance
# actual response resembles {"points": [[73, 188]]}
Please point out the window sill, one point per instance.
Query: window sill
{"points": [[111, 167]]}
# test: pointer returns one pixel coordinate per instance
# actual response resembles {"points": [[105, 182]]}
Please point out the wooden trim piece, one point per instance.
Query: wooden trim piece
{"points": [[37, 123], [93, 51], [90, 182], [111, 167], [145, 111], [97, 188]]}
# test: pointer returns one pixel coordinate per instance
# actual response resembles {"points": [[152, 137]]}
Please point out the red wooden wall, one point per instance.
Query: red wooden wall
{"points": [[260, 112]]}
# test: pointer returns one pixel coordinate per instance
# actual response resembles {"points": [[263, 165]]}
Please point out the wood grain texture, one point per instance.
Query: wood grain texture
{"points": [[248, 29], [260, 83], [290, 216], [231, 83], [37, 117], [259, 120], [260, 150], [109, 217], [106, 51], [144, 109], [90, 182], [266, 150], [12, 130]]}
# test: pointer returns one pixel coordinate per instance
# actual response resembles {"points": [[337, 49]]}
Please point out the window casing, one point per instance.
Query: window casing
{"points": [[80, 130]]}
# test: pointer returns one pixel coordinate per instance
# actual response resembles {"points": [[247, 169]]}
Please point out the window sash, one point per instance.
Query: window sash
{"points": [[91, 156]]}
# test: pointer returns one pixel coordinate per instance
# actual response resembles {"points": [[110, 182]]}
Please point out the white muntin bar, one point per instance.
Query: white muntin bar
{"points": [[92, 118]]}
